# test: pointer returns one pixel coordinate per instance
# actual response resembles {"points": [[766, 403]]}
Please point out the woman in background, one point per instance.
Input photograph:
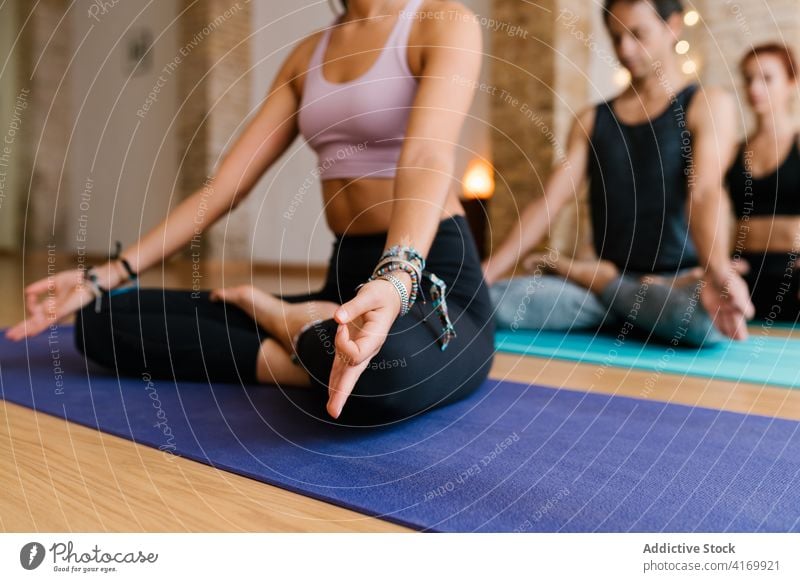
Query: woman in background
{"points": [[764, 185]]}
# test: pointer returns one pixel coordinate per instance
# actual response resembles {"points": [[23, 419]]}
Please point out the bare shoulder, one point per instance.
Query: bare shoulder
{"points": [[584, 121], [303, 49], [710, 103], [715, 94], [445, 6], [296, 63], [447, 20]]}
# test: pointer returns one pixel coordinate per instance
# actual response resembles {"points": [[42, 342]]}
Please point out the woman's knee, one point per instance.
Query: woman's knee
{"points": [[680, 318], [513, 301], [416, 393], [92, 333], [409, 374], [409, 377]]}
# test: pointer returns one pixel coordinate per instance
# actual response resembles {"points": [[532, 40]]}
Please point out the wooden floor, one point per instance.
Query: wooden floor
{"points": [[58, 476]]}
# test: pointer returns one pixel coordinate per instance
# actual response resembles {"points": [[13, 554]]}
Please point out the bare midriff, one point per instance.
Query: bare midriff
{"points": [[364, 206], [769, 234]]}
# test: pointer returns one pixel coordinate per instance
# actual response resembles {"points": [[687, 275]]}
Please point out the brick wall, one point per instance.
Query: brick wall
{"points": [[523, 75]]}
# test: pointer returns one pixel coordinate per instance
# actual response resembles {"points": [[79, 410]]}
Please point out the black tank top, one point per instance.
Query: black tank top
{"points": [[775, 194], [638, 187]]}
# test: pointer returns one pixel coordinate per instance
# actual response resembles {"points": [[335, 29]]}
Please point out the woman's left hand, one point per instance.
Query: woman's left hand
{"points": [[364, 323]]}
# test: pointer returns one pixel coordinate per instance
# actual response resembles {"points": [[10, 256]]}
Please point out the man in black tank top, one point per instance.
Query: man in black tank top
{"points": [[654, 158]]}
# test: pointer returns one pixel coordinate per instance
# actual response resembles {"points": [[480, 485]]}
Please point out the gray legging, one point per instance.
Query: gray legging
{"points": [[668, 313]]}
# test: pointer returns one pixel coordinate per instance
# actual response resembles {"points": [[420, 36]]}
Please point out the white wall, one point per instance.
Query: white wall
{"points": [[304, 238], [131, 161]]}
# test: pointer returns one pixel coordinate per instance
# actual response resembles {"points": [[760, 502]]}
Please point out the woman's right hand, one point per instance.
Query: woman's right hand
{"points": [[51, 299]]}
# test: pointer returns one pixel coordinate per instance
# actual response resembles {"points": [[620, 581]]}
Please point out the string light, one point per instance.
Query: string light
{"points": [[622, 77], [691, 18]]}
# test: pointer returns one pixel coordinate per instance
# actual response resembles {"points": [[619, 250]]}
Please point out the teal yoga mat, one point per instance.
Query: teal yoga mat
{"points": [[759, 359], [788, 325]]}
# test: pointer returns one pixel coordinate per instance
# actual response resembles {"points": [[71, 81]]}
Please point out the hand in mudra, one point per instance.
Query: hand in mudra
{"points": [[364, 323], [728, 303], [49, 300]]}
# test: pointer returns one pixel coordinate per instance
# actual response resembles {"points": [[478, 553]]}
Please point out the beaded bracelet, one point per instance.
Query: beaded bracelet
{"points": [[387, 267], [413, 263], [410, 252], [438, 288], [389, 262]]}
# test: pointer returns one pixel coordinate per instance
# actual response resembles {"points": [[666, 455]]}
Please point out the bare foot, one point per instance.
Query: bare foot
{"points": [[686, 279], [689, 278], [280, 318], [740, 266]]}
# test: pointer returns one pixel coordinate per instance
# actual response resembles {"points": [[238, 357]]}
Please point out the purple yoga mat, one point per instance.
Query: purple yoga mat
{"points": [[511, 457]]}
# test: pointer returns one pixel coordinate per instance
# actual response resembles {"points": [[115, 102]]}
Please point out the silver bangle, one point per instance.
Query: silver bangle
{"points": [[401, 289]]}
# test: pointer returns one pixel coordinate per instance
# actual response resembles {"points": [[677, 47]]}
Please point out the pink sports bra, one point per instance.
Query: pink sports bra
{"points": [[357, 128]]}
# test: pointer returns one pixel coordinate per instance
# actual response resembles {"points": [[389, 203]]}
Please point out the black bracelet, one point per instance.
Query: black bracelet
{"points": [[132, 275]]}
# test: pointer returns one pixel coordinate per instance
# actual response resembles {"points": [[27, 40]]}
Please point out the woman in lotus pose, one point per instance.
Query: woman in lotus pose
{"points": [[403, 322], [764, 185]]}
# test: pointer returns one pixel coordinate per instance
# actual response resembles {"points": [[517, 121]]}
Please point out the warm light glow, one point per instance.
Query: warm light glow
{"points": [[622, 77], [689, 67], [682, 47], [691, 18], [479, 180]]}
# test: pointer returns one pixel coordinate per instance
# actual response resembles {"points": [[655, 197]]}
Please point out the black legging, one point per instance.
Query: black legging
{"points": [[774, 284], [180, 334]]}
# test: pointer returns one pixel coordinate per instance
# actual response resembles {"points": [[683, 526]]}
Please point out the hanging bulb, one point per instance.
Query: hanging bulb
{"points": [[691, 18]]}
